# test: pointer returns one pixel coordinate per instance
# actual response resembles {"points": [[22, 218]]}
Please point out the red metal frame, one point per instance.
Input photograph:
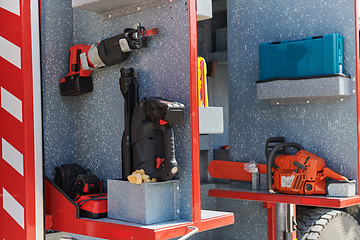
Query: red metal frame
{"points": [[285, 198], [64, 218], [11, 32], [271, 207], [293, 235], [29, 161], [17, 29], [194, 110], [48, 222]]}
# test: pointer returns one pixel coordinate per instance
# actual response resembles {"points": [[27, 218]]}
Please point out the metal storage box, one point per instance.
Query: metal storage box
{"points": [[147, 203], [309, 57], [211, 120]]}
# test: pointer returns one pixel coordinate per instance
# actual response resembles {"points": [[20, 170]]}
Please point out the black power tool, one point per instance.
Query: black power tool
{"points": [[108, 52], [84, 188], [129, 90], [152, 137]]}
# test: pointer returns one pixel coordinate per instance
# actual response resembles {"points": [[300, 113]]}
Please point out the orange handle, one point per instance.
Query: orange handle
{"points": [[327, 172]]}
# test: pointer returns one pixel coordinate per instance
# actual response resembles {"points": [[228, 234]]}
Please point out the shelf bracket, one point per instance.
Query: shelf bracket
{"points": [[271, 207]]}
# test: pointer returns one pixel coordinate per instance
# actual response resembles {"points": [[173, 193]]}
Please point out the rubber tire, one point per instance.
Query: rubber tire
{"points": [[326, 224]]}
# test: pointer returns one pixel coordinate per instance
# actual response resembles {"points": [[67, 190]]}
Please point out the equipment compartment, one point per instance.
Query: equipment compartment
{"points": [[88, 128]]}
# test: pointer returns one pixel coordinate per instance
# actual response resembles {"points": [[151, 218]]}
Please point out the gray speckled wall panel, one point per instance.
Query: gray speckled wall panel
{"points": [[58, 112], [218, 97], [326, 129], [162, 70], [250, 220]]}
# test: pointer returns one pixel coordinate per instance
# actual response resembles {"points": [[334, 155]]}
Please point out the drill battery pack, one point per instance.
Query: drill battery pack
{"points": [[93, 205], [73, 85], [163, 111]]}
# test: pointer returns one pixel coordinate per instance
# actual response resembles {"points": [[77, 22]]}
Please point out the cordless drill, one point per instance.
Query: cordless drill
{"points": [[152, 137], [86, 58]]}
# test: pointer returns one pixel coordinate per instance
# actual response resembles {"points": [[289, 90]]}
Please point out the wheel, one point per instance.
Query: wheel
{"points": [[326, 224]]}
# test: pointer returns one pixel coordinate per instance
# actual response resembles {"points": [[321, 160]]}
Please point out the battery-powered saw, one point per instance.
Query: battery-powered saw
{"points": [[303, 173], [86, 58], [152, 137]]}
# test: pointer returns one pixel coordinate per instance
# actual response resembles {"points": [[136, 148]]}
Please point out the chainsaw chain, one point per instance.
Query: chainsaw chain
{"points": [[311, 221]]}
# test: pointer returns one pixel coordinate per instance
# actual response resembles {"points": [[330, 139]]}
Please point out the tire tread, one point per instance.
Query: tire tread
{"points": [[312, 221]]}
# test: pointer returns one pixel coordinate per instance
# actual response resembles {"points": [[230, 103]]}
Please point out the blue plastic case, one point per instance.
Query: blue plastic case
{"points": [[309, 57]]}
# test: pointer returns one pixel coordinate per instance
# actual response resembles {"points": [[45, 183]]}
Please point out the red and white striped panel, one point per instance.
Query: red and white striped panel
{"points": [[21, 188]]}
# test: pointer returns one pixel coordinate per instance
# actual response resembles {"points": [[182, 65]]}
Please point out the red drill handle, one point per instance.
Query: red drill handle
{"points": [[74, 60]]}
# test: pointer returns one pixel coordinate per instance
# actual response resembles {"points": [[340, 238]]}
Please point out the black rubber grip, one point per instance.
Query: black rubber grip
{"points": [[169, 148], [299, 165], [268, 147]]}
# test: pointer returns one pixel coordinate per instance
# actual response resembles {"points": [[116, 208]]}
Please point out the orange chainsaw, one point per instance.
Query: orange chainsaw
{"points": [[303, 173]]}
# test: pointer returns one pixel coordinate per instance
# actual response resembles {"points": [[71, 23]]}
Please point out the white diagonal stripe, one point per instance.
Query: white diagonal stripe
{"points": [[13, 208], [11, 104], [10, 52], [11, 5], [12, 157]]}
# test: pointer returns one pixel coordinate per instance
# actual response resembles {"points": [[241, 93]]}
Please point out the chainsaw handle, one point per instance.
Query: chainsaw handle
{"points": [[271, 159], [327, 172], [270, 141]]}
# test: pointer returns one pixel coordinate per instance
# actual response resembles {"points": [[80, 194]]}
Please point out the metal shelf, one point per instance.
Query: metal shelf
{"points": [[110, 8], [219, 169], [64, 215], [264, 196], [332, 88]]}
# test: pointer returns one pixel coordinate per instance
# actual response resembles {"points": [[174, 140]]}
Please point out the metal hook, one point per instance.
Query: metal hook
{"points": [[186, 236]]}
